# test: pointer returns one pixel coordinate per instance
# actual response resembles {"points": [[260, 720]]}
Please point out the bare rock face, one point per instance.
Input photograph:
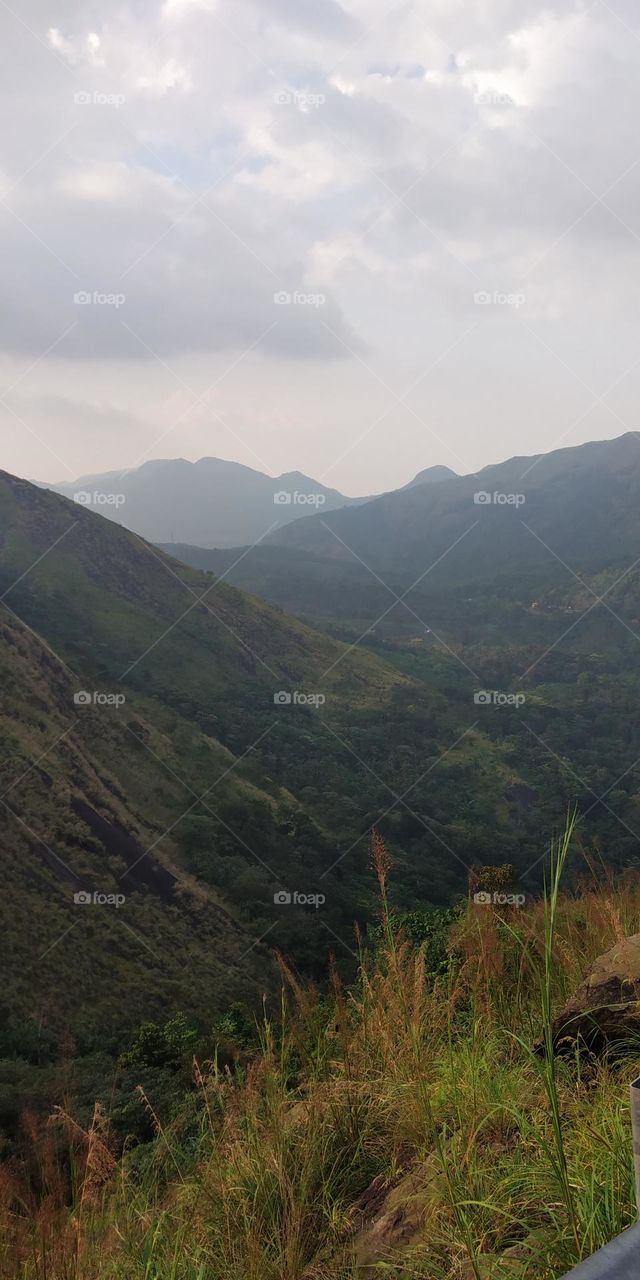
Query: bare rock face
{"points": [[605, 1009], [389, 1217], [393, 1217]]}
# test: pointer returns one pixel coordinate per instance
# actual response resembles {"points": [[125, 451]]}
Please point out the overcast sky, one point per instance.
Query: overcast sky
{"points": [[283, 212]]}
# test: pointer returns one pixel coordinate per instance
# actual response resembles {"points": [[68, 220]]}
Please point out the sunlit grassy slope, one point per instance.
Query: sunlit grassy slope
{"points": [[400, 1127]]}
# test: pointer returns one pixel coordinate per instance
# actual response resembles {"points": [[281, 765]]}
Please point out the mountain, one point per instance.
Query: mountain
{"points": [[512, 530], [164, 774], [579, 504], [224, 764], [297, 744], [537, 600], [212, 503], [431, 475], [74, 822], [193, 690]]}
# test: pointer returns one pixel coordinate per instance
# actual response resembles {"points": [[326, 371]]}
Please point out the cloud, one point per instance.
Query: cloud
{"points": [[328, 19], [202, 156]]}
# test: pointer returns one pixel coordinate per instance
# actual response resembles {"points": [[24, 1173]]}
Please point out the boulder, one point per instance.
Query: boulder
{"points": [[395, 1216], [605, 1009], [387, 1219]]}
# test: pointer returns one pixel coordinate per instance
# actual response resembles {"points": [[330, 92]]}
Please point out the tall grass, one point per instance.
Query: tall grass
{"points": [[402, 1128]]}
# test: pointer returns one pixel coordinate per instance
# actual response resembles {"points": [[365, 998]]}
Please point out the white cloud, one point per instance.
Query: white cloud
{"points": [[109, 182], [421, 156], [177, 9], [169, 75]]}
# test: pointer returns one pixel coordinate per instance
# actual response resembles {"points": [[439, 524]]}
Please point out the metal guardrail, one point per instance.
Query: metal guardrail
{"points": [[634, 1094], [619, 1260]]}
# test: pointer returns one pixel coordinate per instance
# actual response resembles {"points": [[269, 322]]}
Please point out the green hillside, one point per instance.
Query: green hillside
{"points": [[541, 599], [439, 550], [82, 802], [190, 786], [220, 822], [513, 518], [290, 789]]}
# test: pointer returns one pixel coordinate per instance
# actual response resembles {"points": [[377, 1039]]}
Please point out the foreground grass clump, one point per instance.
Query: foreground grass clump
{"points": [[402, 1128]]}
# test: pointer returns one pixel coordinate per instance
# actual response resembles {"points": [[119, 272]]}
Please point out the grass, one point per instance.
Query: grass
{"points": [[402, 1128]]}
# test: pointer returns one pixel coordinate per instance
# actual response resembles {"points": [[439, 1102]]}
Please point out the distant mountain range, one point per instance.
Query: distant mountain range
{"points": [[511, 529], [580, 503], [211, 503]]}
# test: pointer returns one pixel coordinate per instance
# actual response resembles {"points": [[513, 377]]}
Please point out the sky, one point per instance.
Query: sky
{"points": [[352, 239]]}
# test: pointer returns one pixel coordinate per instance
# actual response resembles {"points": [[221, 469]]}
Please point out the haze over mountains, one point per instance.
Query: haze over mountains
{"points": [[211, 503], [513, 527], [579, 504]]}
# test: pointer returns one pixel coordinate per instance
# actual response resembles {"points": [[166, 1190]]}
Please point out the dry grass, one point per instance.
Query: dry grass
{"points": [[407, 1094]]}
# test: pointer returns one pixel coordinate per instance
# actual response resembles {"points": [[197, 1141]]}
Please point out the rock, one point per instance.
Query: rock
{"points": [[394, 1216], [605, 1009]]}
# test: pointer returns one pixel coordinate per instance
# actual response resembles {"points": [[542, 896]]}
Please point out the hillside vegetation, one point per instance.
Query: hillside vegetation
{"points": [[540, 601], [290, 791], [195, 799], [580, 503], [376, 1109], [514, 532], [400, 1127]]}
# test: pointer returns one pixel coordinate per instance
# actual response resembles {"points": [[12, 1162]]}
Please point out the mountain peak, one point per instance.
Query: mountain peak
{"points": [[431, 475]]}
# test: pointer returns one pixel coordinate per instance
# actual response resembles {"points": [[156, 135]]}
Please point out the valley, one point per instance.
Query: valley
{"points": [[167, 738], [319, 641]]}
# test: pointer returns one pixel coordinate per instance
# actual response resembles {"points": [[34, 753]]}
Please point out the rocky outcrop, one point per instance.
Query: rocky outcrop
{"points": [[392, 1216], [605, 1009]]}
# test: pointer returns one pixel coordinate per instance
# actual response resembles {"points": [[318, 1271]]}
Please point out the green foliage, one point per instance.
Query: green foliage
{"points": [[236, 1031], [161, 1046], [428, 930]]}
